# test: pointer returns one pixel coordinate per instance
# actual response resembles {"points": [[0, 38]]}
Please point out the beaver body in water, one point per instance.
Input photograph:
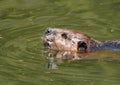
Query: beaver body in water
{"points": [[70, 40]]}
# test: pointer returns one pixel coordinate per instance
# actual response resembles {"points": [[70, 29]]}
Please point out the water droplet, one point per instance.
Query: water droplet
{"points": [[111, 30], [20, 60], [1, 37]]}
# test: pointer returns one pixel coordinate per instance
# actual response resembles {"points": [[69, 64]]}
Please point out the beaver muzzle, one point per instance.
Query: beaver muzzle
{"points": [[48, 38]]}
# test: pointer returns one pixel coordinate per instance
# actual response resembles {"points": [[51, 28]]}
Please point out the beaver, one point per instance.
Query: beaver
{"points": [[71, 40]]}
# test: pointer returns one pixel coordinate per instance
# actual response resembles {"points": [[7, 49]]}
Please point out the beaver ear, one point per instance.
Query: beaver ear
{"points": [[82, 46]]}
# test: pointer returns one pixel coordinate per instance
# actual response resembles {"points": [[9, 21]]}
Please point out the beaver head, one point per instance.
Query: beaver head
{"points": [[64, 39]]}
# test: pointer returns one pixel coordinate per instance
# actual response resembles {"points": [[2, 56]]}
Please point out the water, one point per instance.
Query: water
{"points": [[22, 22]]}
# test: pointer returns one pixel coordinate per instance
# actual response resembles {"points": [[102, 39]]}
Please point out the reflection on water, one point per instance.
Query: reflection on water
{"points": [[50, 64], [59, 57]]}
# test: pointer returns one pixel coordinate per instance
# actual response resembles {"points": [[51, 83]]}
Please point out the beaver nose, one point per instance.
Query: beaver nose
{"points": [[48, 31]]}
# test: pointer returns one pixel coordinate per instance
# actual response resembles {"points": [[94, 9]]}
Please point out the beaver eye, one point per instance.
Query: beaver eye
{"points": [[64, 35]]}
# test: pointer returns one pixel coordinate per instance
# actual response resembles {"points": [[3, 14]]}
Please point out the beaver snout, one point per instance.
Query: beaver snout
{"points": [[48, 37], [48, 31]]}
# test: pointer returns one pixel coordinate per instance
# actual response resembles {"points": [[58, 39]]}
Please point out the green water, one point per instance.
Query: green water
{"points": [[22, 22]]}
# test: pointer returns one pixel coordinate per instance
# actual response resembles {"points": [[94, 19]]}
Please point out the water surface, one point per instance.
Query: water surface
{"points": [[22, 22]]}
